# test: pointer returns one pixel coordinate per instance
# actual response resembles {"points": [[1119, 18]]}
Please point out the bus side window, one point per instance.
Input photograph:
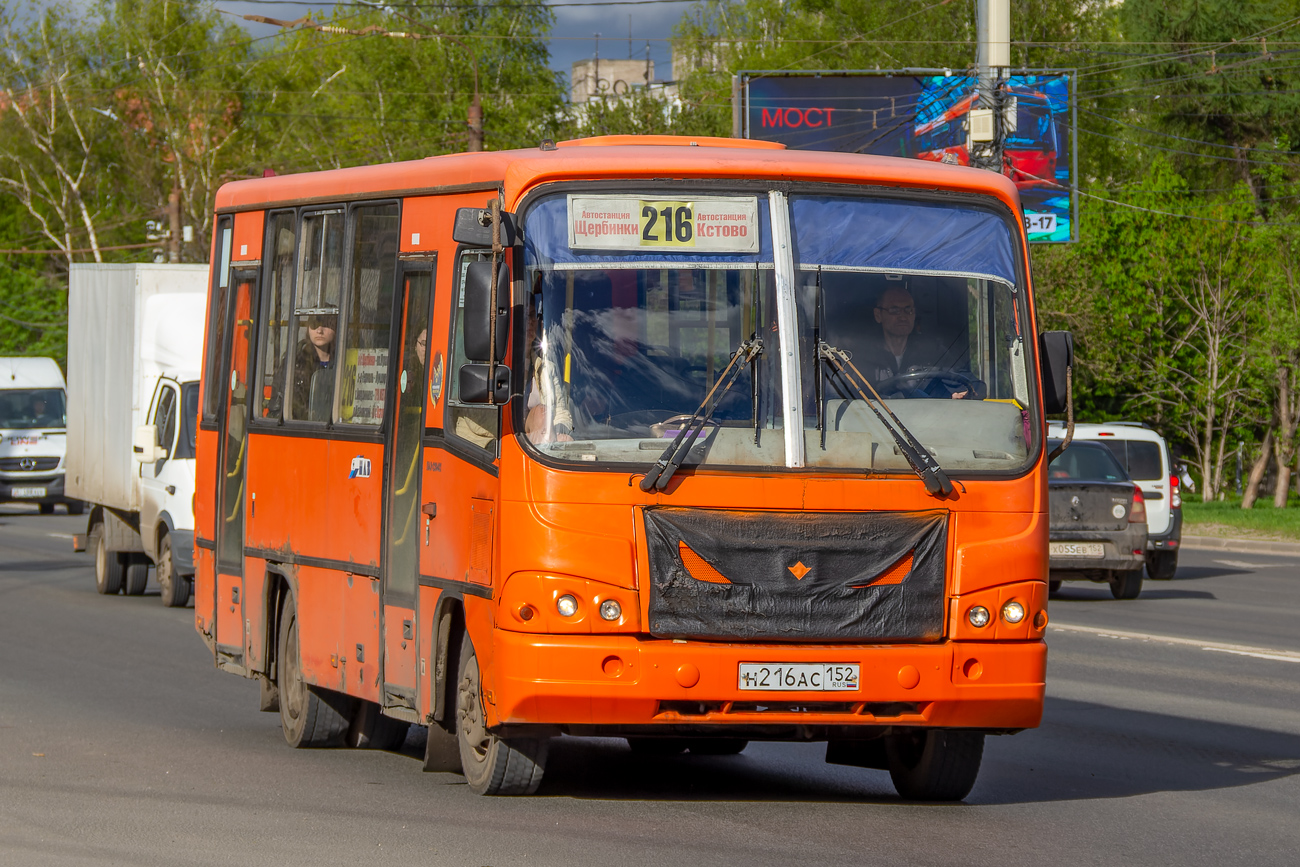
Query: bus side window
{"points": [[310, 386], [478, 425], [364, 380], [271, 374]]}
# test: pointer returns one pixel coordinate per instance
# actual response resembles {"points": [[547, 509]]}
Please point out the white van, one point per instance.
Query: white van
{"points": [[33, 435], [1145, 455]]}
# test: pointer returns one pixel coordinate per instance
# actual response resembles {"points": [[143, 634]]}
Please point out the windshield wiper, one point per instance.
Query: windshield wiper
{"points": [[662, 471], [936, 480]]}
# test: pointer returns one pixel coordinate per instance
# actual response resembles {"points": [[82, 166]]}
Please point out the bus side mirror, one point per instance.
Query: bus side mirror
{"points": [[1055, 358], [478, 311], [473, 227], [473, 383]]}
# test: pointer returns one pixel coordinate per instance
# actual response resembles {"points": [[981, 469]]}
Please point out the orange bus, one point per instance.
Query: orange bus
{"points": [[610, 438]]}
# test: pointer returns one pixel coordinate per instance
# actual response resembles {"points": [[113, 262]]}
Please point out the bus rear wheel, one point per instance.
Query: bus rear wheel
{"points": [[311, 717], [492, 764], [934, 764]]}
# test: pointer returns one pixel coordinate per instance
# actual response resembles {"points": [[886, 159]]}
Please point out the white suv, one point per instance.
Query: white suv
{"points": [[1144, 454]]}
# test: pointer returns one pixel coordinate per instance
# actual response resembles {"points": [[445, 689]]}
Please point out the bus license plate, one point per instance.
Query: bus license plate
{"points": [[799, 676], [1071, 549], [27, 492]]}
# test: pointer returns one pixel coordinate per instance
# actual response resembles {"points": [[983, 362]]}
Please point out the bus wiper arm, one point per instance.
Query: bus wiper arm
{"points": [[662, 471], [936, 480]]}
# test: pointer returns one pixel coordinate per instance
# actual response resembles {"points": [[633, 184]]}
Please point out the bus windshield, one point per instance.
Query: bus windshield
{"points": [[32, 408], [921, 298]]}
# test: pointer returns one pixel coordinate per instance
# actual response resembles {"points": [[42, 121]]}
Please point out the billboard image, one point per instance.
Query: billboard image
{"points": [[923, 114]]}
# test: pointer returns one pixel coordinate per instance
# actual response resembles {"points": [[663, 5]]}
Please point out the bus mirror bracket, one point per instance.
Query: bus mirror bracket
{"points": [[473, 382], [473, 227], [479, 312], [1055, 359]]}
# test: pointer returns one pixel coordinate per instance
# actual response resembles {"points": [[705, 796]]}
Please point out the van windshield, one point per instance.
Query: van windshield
{"points": [[26, 408]]}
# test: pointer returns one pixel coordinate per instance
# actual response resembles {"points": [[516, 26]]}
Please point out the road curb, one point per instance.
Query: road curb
{"points": [[1241, 546]]}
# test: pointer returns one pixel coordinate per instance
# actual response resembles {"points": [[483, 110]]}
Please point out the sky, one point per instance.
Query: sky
{"points": [[572, 39]]}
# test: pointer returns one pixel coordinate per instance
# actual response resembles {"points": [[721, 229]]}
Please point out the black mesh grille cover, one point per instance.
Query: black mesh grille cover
{"points": [[841, 554]]}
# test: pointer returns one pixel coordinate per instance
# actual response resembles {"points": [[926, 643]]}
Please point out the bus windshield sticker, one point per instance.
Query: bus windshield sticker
{"points": [[709, 224]]}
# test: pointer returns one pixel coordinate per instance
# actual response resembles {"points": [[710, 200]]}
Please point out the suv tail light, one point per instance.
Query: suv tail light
{"points": [[1175, 495], [1138, 512]]}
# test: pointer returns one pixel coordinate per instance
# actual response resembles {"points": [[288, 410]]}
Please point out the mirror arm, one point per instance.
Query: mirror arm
{"points": [[1069, 415]]}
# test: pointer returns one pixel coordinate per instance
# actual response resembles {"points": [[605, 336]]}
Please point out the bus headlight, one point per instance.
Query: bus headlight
{"points": [[978, 616], [610, 610], [566, 605], [1013, 612]]}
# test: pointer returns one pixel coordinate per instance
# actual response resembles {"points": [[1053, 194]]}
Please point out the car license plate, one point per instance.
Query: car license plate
{"points": [[1073, 549], [27, 492], [799, 676]]}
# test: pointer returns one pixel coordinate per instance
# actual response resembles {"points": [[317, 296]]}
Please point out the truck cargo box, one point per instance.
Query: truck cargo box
{"points": [[127, 324]]}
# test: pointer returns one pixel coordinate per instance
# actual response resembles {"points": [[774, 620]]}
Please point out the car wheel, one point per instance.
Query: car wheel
{"points": [[175, 588], [934, 764], [492, 765], [137, 575], [1053, 586], [45, 508], [76, 507], [1126, 583], [109, 565], [1161, 565]]}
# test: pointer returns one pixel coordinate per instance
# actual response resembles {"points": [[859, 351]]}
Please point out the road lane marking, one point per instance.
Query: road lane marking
{"points": [[1240, 649], [1242, 564], [59, 535]]}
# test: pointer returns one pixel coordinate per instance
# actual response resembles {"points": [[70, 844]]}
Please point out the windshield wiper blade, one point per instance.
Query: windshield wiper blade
{"points": [[662, 471], [936, 480]]}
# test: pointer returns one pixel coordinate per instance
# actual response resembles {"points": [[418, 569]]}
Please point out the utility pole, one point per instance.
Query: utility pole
{"points": [[993, 31], [174, 225], [475, 123]]}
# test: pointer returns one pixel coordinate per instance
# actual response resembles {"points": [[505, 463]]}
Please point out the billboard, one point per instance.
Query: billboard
{"points": [[922, 114]]}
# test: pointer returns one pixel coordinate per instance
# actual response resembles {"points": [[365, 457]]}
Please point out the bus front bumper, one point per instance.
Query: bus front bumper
{"points": [[615, 682]]}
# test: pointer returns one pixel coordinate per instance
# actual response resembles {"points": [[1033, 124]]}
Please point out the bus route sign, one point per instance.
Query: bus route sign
{"points": [[712, 224]]}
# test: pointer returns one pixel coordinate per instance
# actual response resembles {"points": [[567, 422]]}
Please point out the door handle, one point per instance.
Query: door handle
{"points": [[430, 509]]}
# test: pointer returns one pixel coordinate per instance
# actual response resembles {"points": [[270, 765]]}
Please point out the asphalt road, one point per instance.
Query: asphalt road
{"points": [[1171, 736]]}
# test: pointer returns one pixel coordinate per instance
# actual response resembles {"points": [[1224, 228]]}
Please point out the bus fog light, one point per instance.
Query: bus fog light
{"points": [[566, 605], [1013, 612], [610, 610], [978, 616]]}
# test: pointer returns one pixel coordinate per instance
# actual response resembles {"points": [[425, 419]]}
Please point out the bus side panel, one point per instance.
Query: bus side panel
{"points": [[360, 645], [285, 480], [320, 625], [206, 447], [1003, 547], [204, 580], [453, 483], [354, 481], [246, 245], [254, 600], [426, 634]]}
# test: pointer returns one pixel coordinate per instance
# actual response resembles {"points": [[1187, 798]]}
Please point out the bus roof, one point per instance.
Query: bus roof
{"points": [[631, 157]]}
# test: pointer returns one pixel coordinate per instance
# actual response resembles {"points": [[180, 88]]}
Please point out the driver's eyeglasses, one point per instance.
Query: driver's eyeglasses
{"points": [[899, 311]]}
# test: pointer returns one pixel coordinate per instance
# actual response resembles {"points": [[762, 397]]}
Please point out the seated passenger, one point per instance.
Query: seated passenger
{"points": [[312, 386]]}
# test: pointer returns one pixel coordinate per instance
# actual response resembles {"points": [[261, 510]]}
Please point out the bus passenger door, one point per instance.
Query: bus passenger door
{"points": [[231, 471], [404, 524]]}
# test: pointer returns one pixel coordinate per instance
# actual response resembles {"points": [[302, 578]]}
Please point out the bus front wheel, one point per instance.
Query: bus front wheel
{"points": [[934, 764], [310, 717], [492, 765]]}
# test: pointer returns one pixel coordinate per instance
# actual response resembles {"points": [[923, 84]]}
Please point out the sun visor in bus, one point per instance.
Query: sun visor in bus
{"points": [[795, 576], [906, 236], [546, 243]]}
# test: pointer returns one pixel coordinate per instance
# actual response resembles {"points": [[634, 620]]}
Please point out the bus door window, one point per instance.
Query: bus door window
{"points": [[477, 425], [279, 259], [313, 365], [230, 524], [213, 392], [364, 378]]}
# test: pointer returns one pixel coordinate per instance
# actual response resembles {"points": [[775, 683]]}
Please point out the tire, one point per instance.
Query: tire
{"points": [[76, 507], [492, 765], [175, 588], [371, 730], [717, 746], [1161, 565], [1053, 586], [109, 566], [137, 575], [934, 764], [45, 508], [658, 747], [1126, 583], [311, 717]]}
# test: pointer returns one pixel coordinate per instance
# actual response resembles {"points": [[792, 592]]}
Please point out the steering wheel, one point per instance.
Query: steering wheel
{"points": [[660, 428], [961, 381]]}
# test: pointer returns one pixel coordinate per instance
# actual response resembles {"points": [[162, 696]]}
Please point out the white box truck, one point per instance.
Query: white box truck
{"points": [[135, 338], [32, 442]]}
